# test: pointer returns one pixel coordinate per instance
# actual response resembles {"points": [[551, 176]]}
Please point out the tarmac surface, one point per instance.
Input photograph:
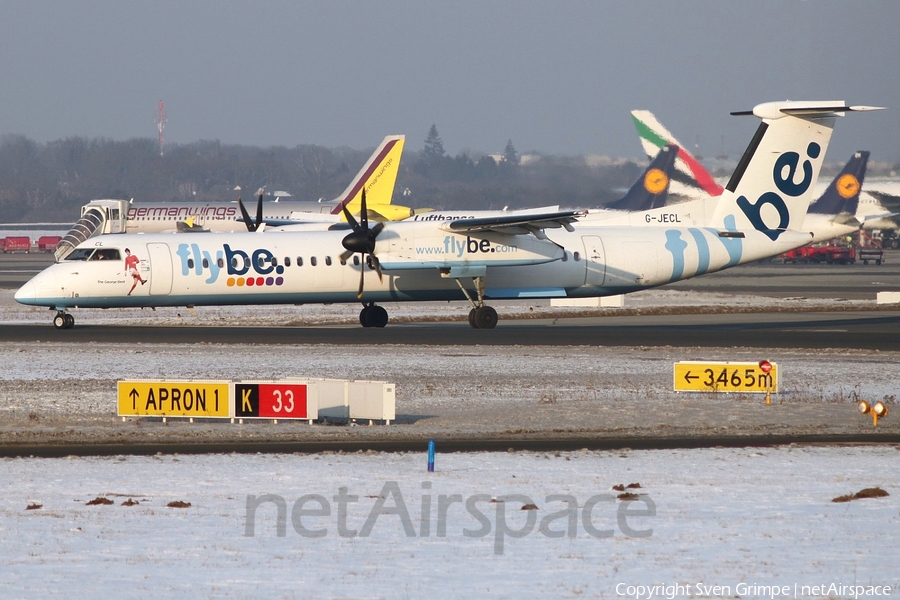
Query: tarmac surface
{"points": [[538, 381]]}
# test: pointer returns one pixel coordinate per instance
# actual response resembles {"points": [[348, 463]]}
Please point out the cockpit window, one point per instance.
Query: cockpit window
{"points": [[80, 254], [106, 254]]}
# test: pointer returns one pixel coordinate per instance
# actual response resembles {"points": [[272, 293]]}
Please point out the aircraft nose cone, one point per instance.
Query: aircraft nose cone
{"points": [[27, 293]]}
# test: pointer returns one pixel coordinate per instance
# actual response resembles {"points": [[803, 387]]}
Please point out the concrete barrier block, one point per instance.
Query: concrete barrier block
{"points": [[887, 298], [605, 301]]}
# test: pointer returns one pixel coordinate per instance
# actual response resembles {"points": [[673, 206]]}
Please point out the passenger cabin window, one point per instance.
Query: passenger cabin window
{"points": [[312, 261], [577, 256], [205, 263], [299, 261], [355, 260], [235, 262], [328, 261], [287, 261], [190, 263]]}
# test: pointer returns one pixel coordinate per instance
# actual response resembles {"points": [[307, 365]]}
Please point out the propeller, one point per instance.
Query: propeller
{"points": [[250, 223], [362, 240]]}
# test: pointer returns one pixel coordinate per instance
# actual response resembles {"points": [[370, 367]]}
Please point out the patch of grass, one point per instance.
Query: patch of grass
{"points": [[873, 492]]}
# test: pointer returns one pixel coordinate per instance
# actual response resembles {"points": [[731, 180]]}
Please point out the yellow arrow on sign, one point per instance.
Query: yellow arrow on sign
{"points": [[174, 398], [725, 377]]}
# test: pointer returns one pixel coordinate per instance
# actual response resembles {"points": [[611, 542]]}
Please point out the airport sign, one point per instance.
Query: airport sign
{"points": [[270, 400], [196, 399], [726, 377]]}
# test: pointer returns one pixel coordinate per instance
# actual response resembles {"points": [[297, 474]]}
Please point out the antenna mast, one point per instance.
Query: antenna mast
{"points": [[160, 124]]}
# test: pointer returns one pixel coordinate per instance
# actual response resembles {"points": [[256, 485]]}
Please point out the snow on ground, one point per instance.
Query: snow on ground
{"points": [[727, 517], [724, 517]]}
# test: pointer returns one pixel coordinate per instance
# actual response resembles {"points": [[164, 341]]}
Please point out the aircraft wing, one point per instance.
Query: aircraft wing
{"points": [[887, 215], [517, 223], [846, 219]]}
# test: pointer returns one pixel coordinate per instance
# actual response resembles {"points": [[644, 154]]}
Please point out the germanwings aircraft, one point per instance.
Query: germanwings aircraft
{"points": [[513, 256], [376, 177]]}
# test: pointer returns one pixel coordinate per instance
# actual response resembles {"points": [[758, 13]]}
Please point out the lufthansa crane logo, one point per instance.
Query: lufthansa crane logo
{"points": [[847, 186], [655, 181], [783, 176]]}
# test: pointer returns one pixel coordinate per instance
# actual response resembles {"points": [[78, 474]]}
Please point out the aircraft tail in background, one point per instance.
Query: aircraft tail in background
{"points": [[842, 196], [652, 189], [654, 136], [377, 177]]}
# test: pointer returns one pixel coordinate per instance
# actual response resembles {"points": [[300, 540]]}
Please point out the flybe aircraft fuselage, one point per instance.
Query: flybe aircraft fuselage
{"points": [[419, 261]]}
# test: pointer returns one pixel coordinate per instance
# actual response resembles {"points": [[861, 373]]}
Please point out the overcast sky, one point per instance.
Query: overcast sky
{"points": [[557, 77]]}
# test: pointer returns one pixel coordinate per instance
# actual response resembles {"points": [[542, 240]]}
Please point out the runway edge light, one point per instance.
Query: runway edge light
{"points": [[877, 410]]}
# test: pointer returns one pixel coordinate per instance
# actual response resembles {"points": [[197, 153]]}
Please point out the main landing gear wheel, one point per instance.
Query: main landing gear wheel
{"points": [[373, 316], [63, 321], [483, 317]]}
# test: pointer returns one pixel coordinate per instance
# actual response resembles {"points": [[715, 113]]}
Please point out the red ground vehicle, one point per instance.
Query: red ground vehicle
{"points": [[17, 243], [818, 254], [48, 243]]}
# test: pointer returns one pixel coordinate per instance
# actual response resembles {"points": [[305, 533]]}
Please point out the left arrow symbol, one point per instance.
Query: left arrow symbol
{"points": [[688, 377]]}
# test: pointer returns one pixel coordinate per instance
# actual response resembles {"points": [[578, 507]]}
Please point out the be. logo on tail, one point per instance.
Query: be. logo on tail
{"points": [[783, 176]]}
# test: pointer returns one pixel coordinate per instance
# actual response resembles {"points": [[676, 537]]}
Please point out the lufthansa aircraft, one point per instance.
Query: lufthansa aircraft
{"points": [[515, 256]]}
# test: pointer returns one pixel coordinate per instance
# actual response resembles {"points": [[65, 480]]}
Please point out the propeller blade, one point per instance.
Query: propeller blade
{"points": [[259, 212], [376, 264], [346, 254], [363, 213], [362, 275], [248, 222], [350, 219]]}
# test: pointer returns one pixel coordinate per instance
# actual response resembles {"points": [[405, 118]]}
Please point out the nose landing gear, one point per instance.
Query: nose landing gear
{"points": [[373, 316], [63, 320]]}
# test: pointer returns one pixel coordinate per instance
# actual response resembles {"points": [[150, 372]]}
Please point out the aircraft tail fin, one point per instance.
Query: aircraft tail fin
{"points": [[842, 196], [377, 177], [654, 136], [652, 189], [772, 185]]}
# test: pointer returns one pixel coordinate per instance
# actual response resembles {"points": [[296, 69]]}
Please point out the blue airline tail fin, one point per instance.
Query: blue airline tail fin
{"points": [[652, 189], [842, 196]]}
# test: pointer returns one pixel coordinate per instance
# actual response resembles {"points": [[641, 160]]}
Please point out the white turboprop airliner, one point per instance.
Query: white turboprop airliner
{"points": [[477, 259]]}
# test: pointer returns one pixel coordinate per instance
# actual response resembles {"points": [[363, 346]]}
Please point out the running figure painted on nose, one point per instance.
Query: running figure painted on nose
{"points": [[131, 265]]}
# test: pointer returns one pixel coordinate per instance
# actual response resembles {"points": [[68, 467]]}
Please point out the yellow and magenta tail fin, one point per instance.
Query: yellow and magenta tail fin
{"points": [[377, 177]]}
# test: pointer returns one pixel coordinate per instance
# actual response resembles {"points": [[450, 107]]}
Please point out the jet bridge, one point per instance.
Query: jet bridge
{"points": [[97, 217]]}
